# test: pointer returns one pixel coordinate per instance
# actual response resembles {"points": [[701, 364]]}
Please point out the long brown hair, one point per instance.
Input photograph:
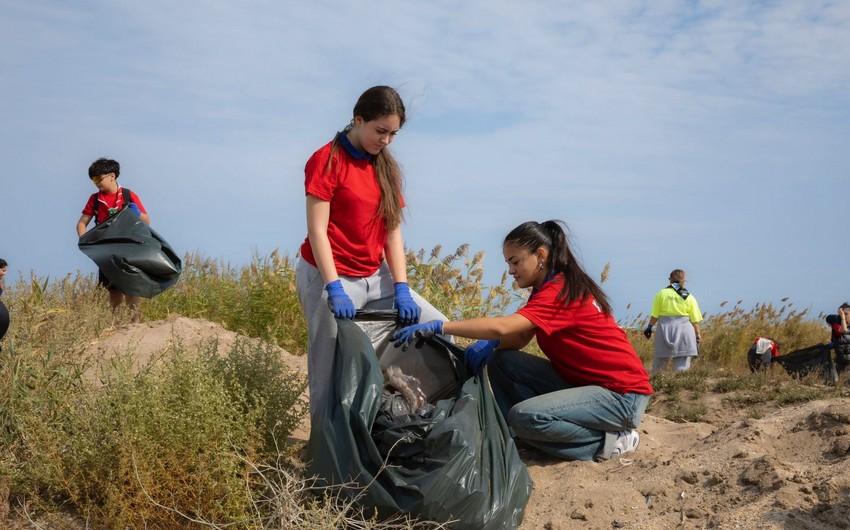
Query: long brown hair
{"points": [[374, 103], [532, 235]]}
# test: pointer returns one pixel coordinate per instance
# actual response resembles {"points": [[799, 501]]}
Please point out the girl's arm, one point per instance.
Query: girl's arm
{"points": [[318, 215], [513, 331], [394, 252]]}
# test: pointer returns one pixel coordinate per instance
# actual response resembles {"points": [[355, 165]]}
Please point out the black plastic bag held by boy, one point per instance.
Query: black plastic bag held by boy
{"points": [[455, 461], [131, 255]]}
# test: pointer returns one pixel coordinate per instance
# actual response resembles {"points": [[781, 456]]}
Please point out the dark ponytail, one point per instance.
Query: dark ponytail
{"points": [[550, 235]]}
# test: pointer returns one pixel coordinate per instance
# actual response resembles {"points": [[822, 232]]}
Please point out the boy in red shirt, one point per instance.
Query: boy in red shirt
{"points": [[109, 199]]}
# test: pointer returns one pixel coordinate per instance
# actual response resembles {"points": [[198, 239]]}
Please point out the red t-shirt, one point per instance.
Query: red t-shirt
{"points": [[356, 231], [110, 203], [584, 343]]}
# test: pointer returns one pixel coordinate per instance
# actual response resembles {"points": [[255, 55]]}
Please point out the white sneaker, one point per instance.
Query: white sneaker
{"points": [[627, 441]]}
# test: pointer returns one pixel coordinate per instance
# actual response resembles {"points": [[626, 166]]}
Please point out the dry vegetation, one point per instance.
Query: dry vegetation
{"points": [[193, 440]]}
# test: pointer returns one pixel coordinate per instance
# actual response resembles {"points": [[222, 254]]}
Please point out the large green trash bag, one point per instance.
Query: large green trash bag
{"points": [[460, 464], [131, 255]]}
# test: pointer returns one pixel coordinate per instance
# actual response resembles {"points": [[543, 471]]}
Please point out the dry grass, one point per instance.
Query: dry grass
{"points": [[191, 445]]}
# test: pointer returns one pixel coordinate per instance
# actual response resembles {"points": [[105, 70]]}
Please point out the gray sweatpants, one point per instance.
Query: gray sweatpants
{"points": [[375, 290]]}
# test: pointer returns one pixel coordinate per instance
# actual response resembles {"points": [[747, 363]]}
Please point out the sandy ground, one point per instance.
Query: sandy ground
{"points": [[787, 470]]}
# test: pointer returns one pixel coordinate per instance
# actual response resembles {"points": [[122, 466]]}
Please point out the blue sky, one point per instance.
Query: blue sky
{"points": [[708, 136]]}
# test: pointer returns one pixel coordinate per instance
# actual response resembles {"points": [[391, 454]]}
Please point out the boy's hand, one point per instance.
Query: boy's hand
{"points": [[133, 206]]}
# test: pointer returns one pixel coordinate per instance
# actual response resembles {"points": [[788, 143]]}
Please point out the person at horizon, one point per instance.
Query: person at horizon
{"points": [[586, 398], [678, 316], [4, 313], [840, 336], [107, 201], [354, 253]]}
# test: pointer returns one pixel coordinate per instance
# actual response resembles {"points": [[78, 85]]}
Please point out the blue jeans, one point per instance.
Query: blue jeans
{"points": [[562, 420]]}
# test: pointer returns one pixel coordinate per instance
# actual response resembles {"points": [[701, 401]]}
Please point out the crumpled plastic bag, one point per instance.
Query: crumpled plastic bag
{"points": [[131, 255]]}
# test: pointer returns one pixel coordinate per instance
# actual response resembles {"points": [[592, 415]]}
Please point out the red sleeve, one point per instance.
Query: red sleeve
{"points": [[135, 199], [318, 179], [89, 207]]}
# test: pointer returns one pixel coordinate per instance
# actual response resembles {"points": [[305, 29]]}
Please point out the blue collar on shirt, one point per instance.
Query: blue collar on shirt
{"points": [[353, 151], [545, 281]]}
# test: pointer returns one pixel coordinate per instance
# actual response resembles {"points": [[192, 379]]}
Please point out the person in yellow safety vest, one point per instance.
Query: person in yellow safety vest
{"points": [[677, 314]]}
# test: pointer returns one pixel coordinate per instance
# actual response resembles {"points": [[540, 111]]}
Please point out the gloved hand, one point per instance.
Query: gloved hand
{"points": [[338, 300], [479, 354], [408, 311], [648, 331], [135, 207], [406, 335]]}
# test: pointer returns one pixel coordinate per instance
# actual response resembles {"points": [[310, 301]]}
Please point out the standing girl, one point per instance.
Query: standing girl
{"points": [[587, 397], [353, 253], [678, 316]]}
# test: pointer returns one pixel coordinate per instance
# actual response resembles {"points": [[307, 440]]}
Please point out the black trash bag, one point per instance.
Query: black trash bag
{"points": [[131, 255], [457, 463], [812, 360], [4, 320]]}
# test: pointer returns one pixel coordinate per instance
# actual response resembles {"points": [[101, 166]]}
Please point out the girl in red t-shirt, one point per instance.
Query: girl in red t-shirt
{"points": [[586, 399], [353, 254]]}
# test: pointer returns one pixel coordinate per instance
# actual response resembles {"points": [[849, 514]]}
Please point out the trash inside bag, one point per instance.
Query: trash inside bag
{"points": [[131, 255], [438, 450]]}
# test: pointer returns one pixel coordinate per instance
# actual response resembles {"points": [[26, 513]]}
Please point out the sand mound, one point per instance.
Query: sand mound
{"points": [[151, 339]]}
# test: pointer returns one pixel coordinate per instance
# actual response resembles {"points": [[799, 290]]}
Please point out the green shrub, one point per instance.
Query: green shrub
{"points": [[269, 386], [173, 434], [259, 300]]}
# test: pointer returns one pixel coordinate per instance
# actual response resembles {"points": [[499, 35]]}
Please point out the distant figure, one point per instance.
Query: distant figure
{"points": [[840, 336], [678, 316], [4, 313], [109, 200], [761, 354]]}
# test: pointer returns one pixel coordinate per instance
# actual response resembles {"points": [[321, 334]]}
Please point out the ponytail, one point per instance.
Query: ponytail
{"points": [[550, 235]]}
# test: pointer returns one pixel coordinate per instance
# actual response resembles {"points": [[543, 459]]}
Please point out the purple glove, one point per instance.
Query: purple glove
{"points": [[338, 300], [479, 354], [408, 311]]}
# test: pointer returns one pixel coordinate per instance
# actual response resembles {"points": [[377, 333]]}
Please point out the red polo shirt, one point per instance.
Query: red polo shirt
{"points": [[584, 344], [110, 203], [356, 231]]}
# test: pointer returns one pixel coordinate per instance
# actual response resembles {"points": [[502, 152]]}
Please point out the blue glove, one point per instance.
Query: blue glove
{"points": [[408, 311], [648, 331], [479, 354], [339, 302], [417, 331], [135, 207]]}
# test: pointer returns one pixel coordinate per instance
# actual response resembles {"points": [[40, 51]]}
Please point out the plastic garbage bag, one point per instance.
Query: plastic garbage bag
{"points": [[456, 463], [815, 359], [132, 255]]}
